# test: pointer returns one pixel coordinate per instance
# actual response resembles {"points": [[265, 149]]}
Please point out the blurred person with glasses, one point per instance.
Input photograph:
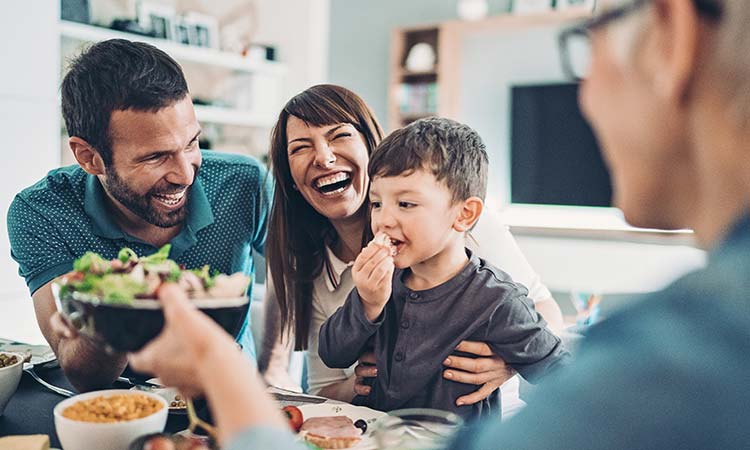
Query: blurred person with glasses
{"points": [[666, 87], [667, 91]]}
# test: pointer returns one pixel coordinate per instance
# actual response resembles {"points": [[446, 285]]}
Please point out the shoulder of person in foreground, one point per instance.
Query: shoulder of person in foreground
{"points": [[265, 438], [668, 373]]}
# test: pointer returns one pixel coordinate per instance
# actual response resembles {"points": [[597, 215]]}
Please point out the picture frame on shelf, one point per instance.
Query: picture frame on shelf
{"points": [[521, 7], [203, 29], [75, 11], [181, 31], [158, 18], [580, 5]]}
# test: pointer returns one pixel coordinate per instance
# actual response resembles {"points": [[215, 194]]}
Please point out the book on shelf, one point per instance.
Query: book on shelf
{"points": [[417, 98]]}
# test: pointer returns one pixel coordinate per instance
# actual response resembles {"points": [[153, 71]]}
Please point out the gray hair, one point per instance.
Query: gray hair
{"points": [[729, 59], [732, 58]]}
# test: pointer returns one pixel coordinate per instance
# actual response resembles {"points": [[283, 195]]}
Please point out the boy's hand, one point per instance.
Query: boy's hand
{"points": [[372, 273]]}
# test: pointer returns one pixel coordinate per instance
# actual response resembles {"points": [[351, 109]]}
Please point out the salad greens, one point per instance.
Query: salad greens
{"points": [[129, 277]]}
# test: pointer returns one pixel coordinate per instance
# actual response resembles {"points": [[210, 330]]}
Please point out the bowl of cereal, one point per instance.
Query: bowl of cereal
{"points": [[11, 368], [108, 420]]}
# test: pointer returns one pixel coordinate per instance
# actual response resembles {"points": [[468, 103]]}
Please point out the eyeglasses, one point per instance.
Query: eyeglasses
{"points": [[575, 42]]}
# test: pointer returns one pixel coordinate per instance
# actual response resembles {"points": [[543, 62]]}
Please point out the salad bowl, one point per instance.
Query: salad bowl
{"points": [[114, 302]]}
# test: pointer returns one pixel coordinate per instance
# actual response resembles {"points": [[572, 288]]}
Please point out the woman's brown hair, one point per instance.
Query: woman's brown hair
{"points": [[297, 233]]}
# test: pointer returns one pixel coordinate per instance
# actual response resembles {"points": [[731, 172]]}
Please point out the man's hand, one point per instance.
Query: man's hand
{"points": [[365, 369], [86, 364], [488, 371], [61, 328], [372, 273]]}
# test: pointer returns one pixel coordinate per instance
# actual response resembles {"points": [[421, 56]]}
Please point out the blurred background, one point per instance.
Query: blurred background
{"points": [[493, 64]]}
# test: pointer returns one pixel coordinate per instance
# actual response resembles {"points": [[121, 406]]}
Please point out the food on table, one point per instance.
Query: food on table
{"points": [[383, 240], [294, 415], [163, 441], [178, 403], [159, 443], [113, 408], [30, 442], [130, 277], [362, 425], [332, 432], [7, 360]]}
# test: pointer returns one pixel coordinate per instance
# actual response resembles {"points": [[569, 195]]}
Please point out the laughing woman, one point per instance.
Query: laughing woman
{"points": [[319, 153]]}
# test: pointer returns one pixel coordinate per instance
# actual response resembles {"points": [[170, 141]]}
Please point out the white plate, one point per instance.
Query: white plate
{"points": [[355, 413], [41, 355], [168, 394]]}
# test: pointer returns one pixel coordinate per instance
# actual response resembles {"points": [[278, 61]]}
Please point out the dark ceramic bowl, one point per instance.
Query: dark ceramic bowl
{"points": [[127, 328]]}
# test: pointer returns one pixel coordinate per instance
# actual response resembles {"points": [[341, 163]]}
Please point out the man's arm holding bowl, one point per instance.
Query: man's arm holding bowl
{"points": [[86, 365]]}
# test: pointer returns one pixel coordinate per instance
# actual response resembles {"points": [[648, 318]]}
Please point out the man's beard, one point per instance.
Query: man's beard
{"points": [[140, 204]]}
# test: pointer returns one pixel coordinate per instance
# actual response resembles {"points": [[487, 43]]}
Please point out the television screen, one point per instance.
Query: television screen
{"points": [[555, 158]]}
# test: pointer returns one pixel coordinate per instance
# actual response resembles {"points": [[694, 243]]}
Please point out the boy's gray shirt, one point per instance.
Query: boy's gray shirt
{"points": [[419, 329]]}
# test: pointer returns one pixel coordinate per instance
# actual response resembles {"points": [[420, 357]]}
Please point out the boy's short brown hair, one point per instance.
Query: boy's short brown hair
{"points": [[452, 151]]}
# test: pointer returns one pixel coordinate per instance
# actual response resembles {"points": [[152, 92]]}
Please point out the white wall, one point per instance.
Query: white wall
{"points": [[361, 40], [300, 31], [493, 61], [29, 120], [30, 127], [607, 266]]}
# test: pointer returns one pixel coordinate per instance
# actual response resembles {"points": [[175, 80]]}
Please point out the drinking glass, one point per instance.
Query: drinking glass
{"points": [[416, 429]]}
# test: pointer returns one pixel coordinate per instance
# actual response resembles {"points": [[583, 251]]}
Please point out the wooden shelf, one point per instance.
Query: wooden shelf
{"points": [[405, 84], [404, 73], [229, 116], [201, 55], [236, 129], [507, 21]]}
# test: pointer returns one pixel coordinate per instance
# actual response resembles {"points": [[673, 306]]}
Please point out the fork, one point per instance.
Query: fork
{"points": [[55, 389]]}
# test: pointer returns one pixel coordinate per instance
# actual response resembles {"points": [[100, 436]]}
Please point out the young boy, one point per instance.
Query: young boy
{"points": [[419, 290]]}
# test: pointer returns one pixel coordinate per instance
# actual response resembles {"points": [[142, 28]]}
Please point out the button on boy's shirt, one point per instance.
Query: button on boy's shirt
{"points": [[419, 329], [64, 215]]}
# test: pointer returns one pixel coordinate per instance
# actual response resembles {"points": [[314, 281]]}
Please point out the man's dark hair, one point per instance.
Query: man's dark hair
{"points": [[452, 151], [117, 75]]}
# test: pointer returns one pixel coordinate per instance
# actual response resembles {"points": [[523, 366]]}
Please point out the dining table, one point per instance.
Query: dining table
{"points": [[30, 409]]}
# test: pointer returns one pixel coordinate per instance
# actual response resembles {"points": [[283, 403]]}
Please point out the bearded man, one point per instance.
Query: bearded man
{"points": [[141, 182]]}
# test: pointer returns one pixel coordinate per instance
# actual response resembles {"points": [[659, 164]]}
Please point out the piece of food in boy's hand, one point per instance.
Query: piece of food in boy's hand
{"points": [[381, 239], [294, 416], [331, 432]]}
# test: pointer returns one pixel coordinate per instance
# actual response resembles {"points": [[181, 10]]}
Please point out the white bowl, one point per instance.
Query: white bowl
{"points": [[78, 435], [9, 378]]}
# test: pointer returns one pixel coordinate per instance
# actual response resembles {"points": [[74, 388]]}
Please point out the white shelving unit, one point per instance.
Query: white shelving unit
{"points": [[182, 52], [230, 116], [256, 91]]}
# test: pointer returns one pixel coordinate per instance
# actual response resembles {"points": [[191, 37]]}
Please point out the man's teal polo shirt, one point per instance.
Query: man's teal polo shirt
{"points": [[62, 216]]}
